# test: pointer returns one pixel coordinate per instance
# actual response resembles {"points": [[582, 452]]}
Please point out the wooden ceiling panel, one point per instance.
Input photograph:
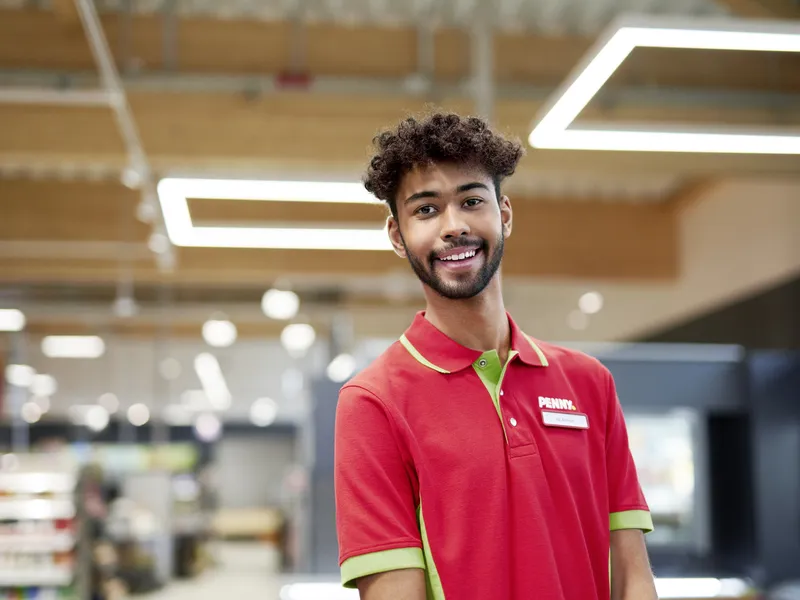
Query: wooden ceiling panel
{"points": [[56, 210], [708, 69], [58, 130], [221, 46], [260, 213]]}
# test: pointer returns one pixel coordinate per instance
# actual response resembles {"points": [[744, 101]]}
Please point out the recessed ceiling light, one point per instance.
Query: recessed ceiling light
{"points": [[341, 368], [43, 385], [297, 338], [280, 304], [219, 333], [578, 320], [263, 412], [31, 413], [20, 375], [591, 303], [138, 415], [11, 319]]}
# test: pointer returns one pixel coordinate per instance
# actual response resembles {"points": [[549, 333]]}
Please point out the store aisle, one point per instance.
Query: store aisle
{"points": [[245, 570]]}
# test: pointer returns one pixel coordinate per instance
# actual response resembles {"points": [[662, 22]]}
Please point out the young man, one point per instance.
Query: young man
{"points": [[474, 462]]}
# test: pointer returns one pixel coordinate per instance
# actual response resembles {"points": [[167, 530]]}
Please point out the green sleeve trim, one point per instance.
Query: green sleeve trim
{"points": [[433, 582], [380, 562], [631, 519], [415, 353]]}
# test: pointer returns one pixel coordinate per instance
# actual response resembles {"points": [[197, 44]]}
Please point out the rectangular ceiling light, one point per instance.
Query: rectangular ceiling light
{"points": [[553, 126], [73, 346], [173, 193]]}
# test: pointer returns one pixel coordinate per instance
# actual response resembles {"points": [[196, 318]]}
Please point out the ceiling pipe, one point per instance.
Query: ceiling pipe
{"points": [[112, 84]]}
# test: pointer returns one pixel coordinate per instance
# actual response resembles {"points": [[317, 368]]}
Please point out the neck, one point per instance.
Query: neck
{"points": [[479, 323]]}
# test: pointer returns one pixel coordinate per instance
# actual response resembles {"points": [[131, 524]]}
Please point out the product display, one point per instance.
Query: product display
{"points": [[39, 527]]}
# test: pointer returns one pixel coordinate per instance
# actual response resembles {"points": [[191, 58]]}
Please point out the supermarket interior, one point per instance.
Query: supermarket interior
{"points": [[190, 269]]}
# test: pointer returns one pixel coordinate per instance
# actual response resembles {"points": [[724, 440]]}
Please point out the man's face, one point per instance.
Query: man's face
{"points": [[451, 228]]}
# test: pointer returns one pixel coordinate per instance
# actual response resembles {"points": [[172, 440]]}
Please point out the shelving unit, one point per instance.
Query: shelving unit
{"points": [[40, 529]]}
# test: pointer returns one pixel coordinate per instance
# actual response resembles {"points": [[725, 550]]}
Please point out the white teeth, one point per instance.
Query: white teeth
{"points": [[462, 256]]}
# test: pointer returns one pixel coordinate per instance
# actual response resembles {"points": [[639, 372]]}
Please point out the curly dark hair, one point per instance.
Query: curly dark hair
{"points": [[437, 138]]}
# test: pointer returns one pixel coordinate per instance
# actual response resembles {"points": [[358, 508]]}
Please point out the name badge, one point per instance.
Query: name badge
{"points": [[568, 420]]}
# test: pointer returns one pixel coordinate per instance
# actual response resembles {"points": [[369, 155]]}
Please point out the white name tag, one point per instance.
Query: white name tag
{"points": [[570, 420]]}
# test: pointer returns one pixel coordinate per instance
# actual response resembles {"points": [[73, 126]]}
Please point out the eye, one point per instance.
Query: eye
{"points": [[425, 210], [473, 202]]}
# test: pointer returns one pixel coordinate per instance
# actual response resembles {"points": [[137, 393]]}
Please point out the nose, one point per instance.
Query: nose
{"points": [[453, 224]]}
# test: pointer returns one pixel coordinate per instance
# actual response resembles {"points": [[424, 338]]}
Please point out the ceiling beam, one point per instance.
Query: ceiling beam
{"points": [[325, 133], [37, 40], [764, 9]]}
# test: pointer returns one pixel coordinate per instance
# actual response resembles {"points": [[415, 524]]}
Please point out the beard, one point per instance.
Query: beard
{"points": [[463, 286]]}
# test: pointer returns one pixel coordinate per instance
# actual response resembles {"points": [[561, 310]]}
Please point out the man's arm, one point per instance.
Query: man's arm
{"points": [[631, 576], [380, 543], [405, 584]]}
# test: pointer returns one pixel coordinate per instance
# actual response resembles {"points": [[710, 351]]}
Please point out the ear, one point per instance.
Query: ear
{"points": [[506, 215], [393, 229]]}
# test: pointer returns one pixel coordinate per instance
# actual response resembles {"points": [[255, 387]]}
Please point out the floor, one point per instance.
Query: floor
{"points": [[250, 570]]}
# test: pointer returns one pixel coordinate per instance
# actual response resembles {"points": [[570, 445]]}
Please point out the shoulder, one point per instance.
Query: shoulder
{"points": [[384, 378], [570, 359], [577, 366]]}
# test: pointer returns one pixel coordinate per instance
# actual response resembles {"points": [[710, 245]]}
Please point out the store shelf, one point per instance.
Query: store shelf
{"points": [[52, 542], [36, 508], [37, 483], [30, 576]]}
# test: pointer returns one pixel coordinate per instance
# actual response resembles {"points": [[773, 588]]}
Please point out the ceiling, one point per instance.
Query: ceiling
{"points": [[295, 90], [541, 16]]}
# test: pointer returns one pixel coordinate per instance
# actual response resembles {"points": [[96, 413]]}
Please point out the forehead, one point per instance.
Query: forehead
{"points": [[441, 177]]}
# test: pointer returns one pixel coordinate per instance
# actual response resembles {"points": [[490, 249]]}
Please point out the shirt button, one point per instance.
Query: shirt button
{"points": [[513, 422], [482, 362]]}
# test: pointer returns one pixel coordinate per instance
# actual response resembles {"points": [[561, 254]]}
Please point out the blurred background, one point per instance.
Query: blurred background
{"points": [[170, 384]]}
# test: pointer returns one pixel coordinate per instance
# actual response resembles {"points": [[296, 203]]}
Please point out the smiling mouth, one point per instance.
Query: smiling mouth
{"points": [[459, 257], [458, 262]]}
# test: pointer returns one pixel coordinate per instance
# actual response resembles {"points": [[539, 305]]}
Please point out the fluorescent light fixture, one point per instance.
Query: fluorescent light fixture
{"points": [[317, 590], [553, 127], [210, 375], [73, 346], [173, 194], [701, 588], [11, 319]]}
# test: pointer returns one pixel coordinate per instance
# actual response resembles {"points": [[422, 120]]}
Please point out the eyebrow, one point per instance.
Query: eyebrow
{"points": [[474, 185]]}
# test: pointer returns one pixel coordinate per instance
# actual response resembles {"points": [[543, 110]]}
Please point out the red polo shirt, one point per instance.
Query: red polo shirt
{"points": [[502, 481]]}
